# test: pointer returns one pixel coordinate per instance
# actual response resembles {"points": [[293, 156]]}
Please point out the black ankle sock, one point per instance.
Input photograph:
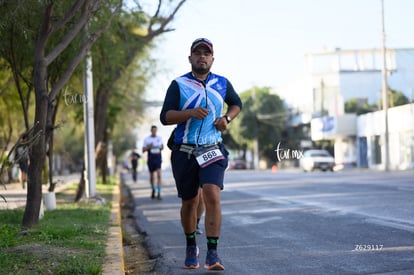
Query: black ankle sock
{"points": [[191, 238], [212, 242]]}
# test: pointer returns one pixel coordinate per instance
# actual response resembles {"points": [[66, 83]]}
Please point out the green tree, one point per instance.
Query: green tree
{"points": [[358, 106], [395, 98], [65, 20], [398, 98], [50, 29], [263, 117], [16, 50], [10, 122], [119, 70], [16, 71], [53, 32]]}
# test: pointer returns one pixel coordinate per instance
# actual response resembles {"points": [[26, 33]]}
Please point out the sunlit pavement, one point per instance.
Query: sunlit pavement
{"points": [[291, 222], [14, 195]]}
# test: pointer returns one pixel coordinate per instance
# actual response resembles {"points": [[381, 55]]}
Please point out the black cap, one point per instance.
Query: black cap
{"points": [[202, 41]]}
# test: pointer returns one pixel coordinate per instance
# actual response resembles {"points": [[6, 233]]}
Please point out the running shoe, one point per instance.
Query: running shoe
{"points": [[213, 261], [191, 258]]}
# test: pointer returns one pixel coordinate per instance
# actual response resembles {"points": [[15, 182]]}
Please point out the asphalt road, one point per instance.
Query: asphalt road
{"points": [[291, 222]]}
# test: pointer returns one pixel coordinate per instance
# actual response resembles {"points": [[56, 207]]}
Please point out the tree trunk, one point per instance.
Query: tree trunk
{"points": [[101, 125], [38, 151], [81, 186], [50, 170], [104, 161], [51, 121], [83, 11], [101, 153], [101, 109], [100, 117]]}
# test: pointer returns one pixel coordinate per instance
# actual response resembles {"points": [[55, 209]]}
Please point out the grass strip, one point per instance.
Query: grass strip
{"points": [[68, 240]]}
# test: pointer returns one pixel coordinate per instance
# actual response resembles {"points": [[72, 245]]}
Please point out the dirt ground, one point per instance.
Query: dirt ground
{"points": [[136, 257]]}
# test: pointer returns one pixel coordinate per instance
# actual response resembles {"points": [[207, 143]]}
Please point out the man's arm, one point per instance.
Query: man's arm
{"points": [[233, 101], [171, 102], [221, 123], [234, 104], [233, 111], [175, 117], [170, 113], [145, 146]]}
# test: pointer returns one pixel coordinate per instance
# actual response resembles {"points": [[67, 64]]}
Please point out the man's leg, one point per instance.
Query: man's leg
{"points": [[152, 184], [25, 177], [188, 222], [134, 174], [186, 175], [159, 183], [189, 215], [22, 178], [211, 195], [200, 211]]}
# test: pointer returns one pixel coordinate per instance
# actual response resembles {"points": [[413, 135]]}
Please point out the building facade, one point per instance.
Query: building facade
{"points": [[371, 135], [340, 75], [336, 76]]}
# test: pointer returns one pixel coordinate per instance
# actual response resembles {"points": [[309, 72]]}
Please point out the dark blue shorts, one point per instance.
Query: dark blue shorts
{"points": [[189, 176], [154, 162], [24, 166]]}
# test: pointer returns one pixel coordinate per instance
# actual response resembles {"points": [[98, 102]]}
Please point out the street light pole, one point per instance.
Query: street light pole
{"points": [[88, 113], [322, 97], [256, 140], [385, 91]]}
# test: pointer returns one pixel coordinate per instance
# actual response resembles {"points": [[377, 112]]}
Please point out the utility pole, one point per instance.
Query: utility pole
{"points": [[88, 116], [256, 140], [385, 92], [322, 97]]}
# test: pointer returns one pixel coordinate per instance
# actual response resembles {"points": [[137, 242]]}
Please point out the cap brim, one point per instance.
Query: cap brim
{"points": [[201, 43]]}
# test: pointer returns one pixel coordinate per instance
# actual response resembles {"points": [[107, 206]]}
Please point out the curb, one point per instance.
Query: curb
{"points": [[114, 252]]}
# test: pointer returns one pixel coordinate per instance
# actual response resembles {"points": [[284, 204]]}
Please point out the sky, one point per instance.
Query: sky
{"points": [[263, 42]]}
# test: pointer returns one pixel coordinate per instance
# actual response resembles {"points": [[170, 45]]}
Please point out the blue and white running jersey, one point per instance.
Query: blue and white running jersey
{"points": [[193, 93]]}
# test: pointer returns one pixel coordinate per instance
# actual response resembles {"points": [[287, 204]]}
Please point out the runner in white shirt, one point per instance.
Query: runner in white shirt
{"points": [[153, 144]]}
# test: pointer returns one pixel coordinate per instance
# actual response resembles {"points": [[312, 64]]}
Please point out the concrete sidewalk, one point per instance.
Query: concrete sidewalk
{"points": [[15, 195]]}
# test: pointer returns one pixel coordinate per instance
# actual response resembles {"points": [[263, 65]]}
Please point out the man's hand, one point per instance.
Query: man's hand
{"points": [[221, 124], [199, 112]]}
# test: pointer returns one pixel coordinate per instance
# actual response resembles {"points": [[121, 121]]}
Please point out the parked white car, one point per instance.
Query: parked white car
{"points": [[317, 159]]}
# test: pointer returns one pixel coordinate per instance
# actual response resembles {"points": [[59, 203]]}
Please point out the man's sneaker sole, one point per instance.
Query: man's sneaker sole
{"points": [[192, 266], [216, 266]]}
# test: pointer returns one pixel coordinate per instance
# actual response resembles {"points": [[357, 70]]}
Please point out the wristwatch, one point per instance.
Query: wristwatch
{"points": [[228, 118]]}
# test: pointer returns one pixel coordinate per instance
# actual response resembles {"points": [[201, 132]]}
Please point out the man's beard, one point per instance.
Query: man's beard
{"points": [[201, 70]]}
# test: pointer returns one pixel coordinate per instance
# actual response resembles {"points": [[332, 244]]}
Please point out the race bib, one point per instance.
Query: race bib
{"points": [[208, 155], [155, 151]]}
